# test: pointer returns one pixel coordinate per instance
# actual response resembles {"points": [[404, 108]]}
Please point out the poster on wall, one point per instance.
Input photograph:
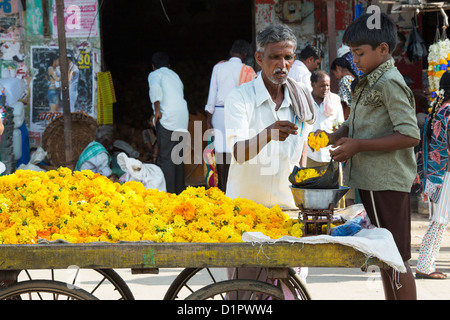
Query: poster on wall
{"points": [[45, 90], [80, 19], [10, 22]]}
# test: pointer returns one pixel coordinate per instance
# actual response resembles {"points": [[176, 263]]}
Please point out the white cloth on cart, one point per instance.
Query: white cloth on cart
{"points": [[376, 242]]}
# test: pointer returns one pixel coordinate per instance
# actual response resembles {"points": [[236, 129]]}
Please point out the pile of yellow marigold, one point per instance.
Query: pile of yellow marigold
{"points": [[82, 207]]}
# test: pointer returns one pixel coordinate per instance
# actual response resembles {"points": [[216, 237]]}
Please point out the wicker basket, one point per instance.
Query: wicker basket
{"points": [[84, 128]]}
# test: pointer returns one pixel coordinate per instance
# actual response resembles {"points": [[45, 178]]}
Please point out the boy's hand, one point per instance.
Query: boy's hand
{"points": [[345, 149]]}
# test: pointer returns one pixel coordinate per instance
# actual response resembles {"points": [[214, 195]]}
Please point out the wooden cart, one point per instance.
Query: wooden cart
{"points": [[142, 257]]}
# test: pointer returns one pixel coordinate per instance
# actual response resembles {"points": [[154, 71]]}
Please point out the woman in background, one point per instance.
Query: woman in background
{"points": [[434, 177], [343, 71]]}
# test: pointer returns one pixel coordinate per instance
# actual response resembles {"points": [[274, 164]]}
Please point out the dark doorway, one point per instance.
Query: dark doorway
{"points": [[195, 33]]}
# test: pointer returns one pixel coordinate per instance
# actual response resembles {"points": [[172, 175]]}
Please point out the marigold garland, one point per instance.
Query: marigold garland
{"points": [[438, 64], [82, 207]]}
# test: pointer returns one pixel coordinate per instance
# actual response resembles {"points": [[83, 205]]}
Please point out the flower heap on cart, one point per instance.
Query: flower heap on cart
{"points": [[82, 207]]}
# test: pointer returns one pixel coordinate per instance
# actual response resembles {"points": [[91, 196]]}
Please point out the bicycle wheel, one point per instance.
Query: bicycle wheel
{"points": [[105, 284], [238, 289], [44, 290]]}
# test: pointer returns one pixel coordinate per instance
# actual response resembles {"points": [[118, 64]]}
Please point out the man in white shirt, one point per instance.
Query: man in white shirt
{"points": [[310, 59], [329, 117], [171, 117], [265, 135], [226, 76]]}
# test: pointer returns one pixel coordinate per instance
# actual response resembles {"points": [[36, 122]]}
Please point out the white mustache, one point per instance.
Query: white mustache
{"points": [[284, 70]]}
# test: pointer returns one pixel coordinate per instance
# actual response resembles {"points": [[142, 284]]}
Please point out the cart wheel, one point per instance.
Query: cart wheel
{"points": [[296, 285], [119, 284], [180, 286], [44, 290], [181, 282], [238, 289], [98, 281]]}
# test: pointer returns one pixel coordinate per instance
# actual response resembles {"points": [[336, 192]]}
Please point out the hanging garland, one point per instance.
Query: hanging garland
{"points": [[438, 61]]}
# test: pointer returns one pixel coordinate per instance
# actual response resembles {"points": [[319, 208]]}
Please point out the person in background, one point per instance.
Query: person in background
{"points": [[74, 78], [329, 117], [381, 129], [309, 60], [225, 76], [53, 77], [342, 70], [2, 127], [344, 52], [96, 156], [434, 177], [171, 118]]}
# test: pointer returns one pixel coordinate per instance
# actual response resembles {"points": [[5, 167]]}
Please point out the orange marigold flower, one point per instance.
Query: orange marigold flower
{"points": [[186, 210]]}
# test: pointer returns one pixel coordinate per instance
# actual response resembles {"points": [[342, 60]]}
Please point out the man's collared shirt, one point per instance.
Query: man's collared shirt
{"points": [[382, 105], [264, 179], [300, 73], [224, 78]]}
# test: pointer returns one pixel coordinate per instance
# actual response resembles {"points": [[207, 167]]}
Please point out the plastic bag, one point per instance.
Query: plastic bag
{"points": [[14, 89], [329, 180], [349, 228], [211, 176], [357, 219], [150, 175], [37, 157], [416, 48]]}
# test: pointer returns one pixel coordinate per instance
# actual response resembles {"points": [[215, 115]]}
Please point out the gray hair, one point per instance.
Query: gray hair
{"points": [[104, 132], [273, 34]]}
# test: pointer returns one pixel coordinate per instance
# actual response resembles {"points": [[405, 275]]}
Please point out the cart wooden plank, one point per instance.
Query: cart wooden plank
{"points": [[180, 255]]}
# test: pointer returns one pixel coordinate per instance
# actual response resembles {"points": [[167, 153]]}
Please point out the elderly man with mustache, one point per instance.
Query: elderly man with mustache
{"points": [[267, 122]]}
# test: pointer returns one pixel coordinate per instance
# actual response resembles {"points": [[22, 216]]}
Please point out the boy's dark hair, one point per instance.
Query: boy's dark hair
{"points": [[318, 74], [361, 31], [310, 51], [160, 59]]}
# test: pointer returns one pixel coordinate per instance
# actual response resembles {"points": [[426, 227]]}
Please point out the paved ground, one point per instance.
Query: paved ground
{"points": [[349, 284], [327, 283]]}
